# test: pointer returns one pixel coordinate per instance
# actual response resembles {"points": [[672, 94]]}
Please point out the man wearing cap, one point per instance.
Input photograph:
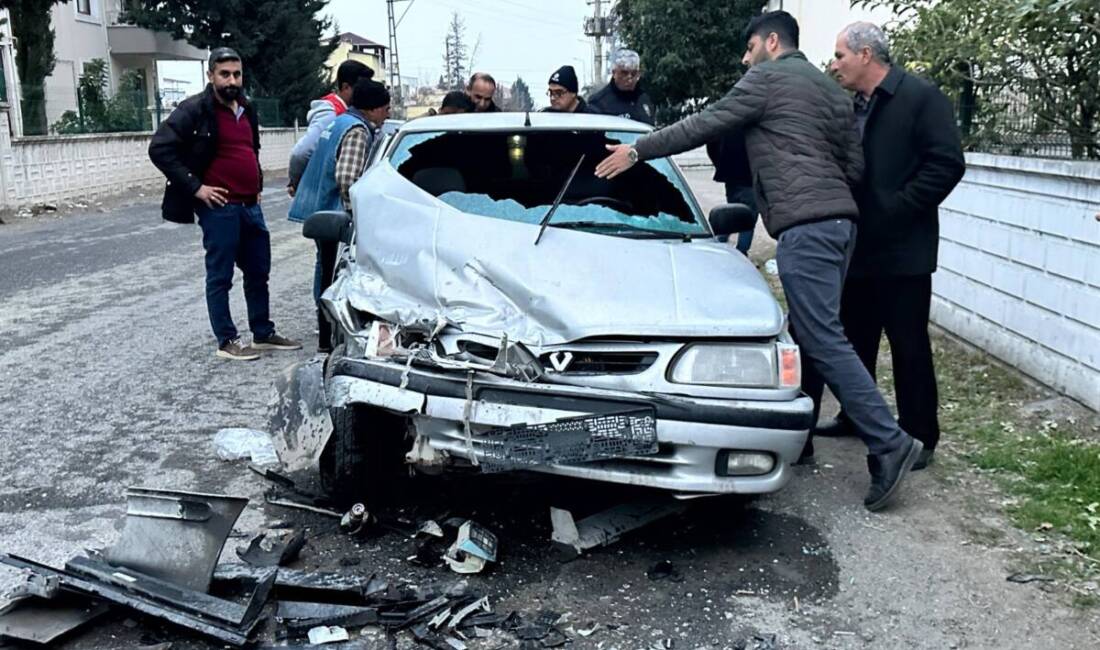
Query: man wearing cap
{"points": [[321, 113], [208, 148], [562, 92], [338, 161], [481, 89], [623, 95]]}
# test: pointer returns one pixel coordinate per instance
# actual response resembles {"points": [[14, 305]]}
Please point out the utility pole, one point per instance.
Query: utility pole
{"points": [[598, 27], [395, 62]]}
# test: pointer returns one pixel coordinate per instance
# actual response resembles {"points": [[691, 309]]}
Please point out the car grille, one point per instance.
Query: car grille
{"points": [[604, 363]]}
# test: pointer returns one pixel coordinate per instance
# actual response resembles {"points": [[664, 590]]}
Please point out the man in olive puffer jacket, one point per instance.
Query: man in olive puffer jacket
{"points": [[806, 157]]}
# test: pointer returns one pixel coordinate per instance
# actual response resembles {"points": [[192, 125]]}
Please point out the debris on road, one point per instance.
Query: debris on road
{"points": [[664, 570], [298, 416], [273, 549], [355, 520], [41, 620], [322, 635], [1024, 578], [474, 546], [603, 528], [238, 443]]}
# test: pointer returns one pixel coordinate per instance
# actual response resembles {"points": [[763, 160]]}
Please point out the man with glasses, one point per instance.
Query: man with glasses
{"points": [[562, 92], [624, 95], [208, 148], [481, 89]]}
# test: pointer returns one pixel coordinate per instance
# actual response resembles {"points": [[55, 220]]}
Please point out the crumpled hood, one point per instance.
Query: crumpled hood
{"points": [[418, 258]]}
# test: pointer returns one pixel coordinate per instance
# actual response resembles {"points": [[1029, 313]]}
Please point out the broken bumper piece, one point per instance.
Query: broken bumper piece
{"points": [[693, 434]]}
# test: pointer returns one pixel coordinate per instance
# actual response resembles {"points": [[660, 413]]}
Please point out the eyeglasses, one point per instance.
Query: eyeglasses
{"points": [[556, 94]]}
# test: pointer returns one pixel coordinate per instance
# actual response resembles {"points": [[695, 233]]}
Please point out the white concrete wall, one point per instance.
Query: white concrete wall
{"points": [[819, 22], [79, 167], [1019, 273]]}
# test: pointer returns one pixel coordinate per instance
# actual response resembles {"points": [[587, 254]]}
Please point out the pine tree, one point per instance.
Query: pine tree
{"points": [[34, 55], [521, 96], [280, 43], [454, 55]]}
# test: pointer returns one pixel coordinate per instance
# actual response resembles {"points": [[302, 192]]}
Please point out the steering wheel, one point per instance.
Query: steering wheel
{"points": [[608, 201]]}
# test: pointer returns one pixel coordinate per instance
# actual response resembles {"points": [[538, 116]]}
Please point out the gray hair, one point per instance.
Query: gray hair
{"points": [[626, 59], [869, 35]]}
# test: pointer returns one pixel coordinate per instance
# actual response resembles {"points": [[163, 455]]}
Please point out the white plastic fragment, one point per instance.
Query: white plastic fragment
{"points": [[327, 634], [236, 443]]}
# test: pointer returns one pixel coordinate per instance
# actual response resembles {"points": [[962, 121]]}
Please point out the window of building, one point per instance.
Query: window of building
{"points": [[84, 7]]}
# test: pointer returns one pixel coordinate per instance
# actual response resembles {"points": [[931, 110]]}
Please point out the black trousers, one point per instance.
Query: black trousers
{"points": [[326, 270], [898, 306]]}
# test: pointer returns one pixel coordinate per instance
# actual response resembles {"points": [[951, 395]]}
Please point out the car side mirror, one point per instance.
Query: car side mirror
{"points": [[329, 226], [731, 218]]}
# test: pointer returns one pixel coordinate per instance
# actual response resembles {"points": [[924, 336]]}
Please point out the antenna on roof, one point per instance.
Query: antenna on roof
{"points": [[527, 118]]}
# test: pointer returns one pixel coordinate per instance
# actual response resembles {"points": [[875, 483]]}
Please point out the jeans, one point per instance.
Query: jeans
{"points": [[742, 194], [236, 235], [813, 260]]}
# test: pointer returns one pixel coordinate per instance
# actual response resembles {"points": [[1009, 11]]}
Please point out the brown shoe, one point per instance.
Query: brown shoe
{"points": [[234, 350], [276, 342]]}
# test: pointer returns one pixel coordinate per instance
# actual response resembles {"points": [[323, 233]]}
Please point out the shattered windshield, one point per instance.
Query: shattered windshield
{"points": [[517, 175]]}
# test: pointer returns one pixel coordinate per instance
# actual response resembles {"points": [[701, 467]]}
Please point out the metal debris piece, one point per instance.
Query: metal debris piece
{"points": [[298, 414], [1024, 578], [271, 499], [588, 632], [41, 620], [568, 440], [601, 529], [327, 634], [177, 597], [45, 587], [481, 603], [224, 632], [278, 549], [175, 536], [293, 584], [355, 520], [474, 546], [430, 527]]}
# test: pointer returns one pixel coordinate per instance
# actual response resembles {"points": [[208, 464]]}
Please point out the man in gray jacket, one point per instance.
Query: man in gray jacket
{"points": [[323, 112], [806, 157]]}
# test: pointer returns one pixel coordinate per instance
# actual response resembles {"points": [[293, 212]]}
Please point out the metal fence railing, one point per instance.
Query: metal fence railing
{"points": [[1029, 120], [54, 110]]}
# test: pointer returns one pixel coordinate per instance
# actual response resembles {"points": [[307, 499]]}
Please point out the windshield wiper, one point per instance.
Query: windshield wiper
{"points": [[626, 226], [561, 195]]}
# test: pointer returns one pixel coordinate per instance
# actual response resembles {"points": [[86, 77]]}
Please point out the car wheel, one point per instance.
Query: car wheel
{"points": [[364, 457]]}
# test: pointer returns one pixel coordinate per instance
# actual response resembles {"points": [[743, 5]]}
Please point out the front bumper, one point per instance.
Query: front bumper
{"points": [[690, 431]]}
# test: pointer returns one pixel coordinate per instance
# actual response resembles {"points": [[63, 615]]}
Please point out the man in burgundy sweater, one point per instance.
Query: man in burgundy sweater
{"points": [[208, 149]]}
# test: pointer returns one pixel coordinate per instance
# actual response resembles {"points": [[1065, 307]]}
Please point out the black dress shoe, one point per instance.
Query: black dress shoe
{"points": [[888, 471], [838, 427], [924, 459]]}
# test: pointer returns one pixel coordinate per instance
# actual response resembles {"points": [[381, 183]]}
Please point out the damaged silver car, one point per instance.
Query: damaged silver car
{"points": [[498, 307]]}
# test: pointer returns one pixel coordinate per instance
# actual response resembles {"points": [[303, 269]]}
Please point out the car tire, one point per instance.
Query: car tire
{"points": [[364, 459]]}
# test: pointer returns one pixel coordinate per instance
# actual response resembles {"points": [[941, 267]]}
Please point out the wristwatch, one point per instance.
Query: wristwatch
{"points": [[632, 154]]}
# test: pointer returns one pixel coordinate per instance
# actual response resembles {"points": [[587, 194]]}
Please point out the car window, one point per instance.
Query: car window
{"points": [[516, 175]]}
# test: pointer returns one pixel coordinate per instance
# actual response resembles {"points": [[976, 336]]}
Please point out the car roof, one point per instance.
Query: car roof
{"points": [[505, 121]]}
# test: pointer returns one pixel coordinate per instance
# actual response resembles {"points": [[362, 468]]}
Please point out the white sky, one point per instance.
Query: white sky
{"points": [[519, 38]]}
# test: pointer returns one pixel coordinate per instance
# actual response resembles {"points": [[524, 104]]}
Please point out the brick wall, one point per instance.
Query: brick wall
{"points": [[49, 169], [1019, 270]]}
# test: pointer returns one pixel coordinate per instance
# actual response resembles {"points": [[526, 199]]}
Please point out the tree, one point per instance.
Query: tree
{"points": [[454, 57], [34, 55], [521, 96], [280, 42], [96, 113], [1028, 65], [690, 49]]}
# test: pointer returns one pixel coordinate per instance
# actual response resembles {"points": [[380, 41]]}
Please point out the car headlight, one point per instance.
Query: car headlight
{"points": [[748, 365]]}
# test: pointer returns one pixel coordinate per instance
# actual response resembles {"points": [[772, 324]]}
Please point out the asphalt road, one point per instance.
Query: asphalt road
{"points": [[108, 380]]}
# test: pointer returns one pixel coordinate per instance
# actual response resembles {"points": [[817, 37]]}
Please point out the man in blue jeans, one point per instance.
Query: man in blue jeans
{"points": [[208, 149]]}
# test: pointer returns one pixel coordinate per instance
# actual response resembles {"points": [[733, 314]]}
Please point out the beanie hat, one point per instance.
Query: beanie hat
{"points": [[565, 77], [369, 94]]}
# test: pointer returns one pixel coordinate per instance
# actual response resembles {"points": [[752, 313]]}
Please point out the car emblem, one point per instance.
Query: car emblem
{"points": [[561, 360]]}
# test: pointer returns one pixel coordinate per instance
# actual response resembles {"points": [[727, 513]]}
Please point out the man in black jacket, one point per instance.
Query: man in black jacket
{"points": [[208, 148], [624, 95], [913, 160], [805, 154]]}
